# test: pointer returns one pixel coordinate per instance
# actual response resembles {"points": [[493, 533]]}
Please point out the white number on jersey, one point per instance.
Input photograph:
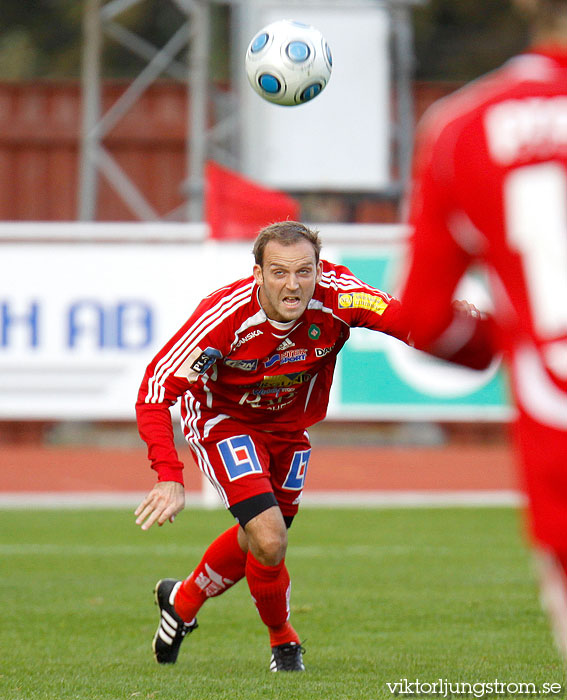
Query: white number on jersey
{"points": [[535, 199]]}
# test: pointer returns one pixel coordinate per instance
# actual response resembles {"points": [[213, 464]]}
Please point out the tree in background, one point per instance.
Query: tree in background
{"points": [[43, 38], [462, 40], [455, 40]]}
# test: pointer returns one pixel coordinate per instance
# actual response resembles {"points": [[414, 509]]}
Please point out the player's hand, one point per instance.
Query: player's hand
{"points": [[164, 501], [467, 309]]}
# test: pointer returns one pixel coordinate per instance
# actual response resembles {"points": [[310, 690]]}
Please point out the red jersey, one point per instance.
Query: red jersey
{"points": [[230, 359], [490, 185]]}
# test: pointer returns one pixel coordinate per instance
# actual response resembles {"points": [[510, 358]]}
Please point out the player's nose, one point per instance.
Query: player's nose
{"points": [[292, 282]]}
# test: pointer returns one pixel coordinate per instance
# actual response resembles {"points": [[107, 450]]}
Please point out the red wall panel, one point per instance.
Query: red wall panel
{"points": [[40, 141]]}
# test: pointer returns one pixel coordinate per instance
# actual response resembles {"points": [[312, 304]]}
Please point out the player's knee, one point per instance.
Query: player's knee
{"points": [[267, 537], [270, 548]]}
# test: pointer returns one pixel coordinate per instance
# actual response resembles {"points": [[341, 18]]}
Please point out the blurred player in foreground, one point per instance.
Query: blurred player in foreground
{"points": [[253, 367], [490, 186]]}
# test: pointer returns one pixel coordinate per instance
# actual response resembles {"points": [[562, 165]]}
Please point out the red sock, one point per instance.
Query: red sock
{"points": [[270, 589], [283, 635], [222, 565]]}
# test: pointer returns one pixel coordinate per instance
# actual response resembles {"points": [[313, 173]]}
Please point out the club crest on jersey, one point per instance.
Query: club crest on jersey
{"points": [[245, 365], [362, 300], [296, 355], [314, 332]]}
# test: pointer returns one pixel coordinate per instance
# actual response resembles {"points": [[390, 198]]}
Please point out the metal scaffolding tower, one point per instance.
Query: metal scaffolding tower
{"points": [[219, 140], [101, 21]]}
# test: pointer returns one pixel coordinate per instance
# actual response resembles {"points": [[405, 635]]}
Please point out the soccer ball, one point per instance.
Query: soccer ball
{"points": [[288, 62]]}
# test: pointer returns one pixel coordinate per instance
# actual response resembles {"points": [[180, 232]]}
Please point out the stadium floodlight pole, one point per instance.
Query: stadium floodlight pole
{"points": [[404, 62], [198, 91], [100, 20], [91, 107], [143, 49], [151, 72]]}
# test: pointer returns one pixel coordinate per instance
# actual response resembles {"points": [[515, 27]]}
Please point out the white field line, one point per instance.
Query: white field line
{"points": [[346, 499], [50, 549]]}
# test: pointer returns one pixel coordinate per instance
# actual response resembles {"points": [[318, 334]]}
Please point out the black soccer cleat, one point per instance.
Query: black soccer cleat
{"points": [[171, 630], [287, 657]]}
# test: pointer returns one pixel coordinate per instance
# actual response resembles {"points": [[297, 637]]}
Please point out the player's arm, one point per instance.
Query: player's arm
{"points": [[451, 330], [466, 340], [153, 416], [439, 257], [358, 304], [167, 498], [181, 362]]}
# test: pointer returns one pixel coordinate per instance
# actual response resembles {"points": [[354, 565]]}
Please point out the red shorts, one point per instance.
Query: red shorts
{"points": [[543, 455], [242, 462]]}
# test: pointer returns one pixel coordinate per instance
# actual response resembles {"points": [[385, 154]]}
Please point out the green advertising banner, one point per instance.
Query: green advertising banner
{"points": [[379, 377], [81, 346]]}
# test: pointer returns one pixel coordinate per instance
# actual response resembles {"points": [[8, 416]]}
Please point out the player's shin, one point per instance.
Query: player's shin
{"points": [[270, 588], [222, 565]]}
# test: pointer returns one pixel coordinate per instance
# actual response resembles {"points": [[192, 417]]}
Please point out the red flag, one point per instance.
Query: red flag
{"points": [[237, 208]]}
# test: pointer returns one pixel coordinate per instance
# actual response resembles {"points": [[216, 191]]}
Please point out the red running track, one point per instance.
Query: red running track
{"points": [[395, 469]]}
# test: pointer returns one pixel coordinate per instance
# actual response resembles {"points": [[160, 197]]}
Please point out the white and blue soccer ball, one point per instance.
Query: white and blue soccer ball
{"points": [[288, 62]]}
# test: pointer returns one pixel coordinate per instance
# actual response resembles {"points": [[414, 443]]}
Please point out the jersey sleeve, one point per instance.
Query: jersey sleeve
{"points": [[360, 305], [186, 358], [467, 336], [437, 262]]}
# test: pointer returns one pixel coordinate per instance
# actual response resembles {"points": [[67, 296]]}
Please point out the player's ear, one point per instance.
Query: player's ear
{"points": [[319, 272], [258, 276]]}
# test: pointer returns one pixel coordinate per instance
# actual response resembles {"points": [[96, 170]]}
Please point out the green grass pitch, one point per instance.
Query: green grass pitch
{"points": [[378, 596]]}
